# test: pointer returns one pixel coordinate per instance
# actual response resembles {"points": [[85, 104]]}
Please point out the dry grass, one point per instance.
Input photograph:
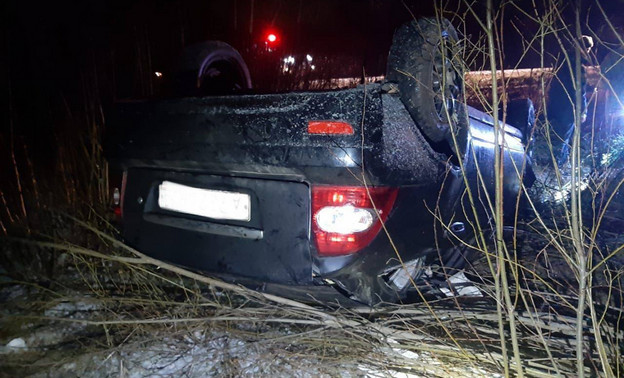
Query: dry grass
{"points": [[114, 301]]}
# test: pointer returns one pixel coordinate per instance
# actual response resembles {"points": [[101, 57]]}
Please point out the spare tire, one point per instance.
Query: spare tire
{"points": [[424, 62], [211, 68]]}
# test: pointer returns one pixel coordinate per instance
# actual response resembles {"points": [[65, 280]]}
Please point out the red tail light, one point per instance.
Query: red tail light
{"points": [[117, 211], [329, 128], [118, 197], [344, 219]]}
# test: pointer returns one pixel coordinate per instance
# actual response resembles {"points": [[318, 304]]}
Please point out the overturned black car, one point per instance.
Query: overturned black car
{"points": [[358, 190]]}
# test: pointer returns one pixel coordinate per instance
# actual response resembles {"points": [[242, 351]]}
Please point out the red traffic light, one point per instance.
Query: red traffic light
{"points": [[271, 38]]}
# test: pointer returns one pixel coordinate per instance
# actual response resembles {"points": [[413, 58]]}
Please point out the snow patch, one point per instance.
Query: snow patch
{"points": [[16, 345]]}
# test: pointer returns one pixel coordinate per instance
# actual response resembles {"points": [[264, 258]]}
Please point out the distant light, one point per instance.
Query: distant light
{"points": [[291, 59], [158, 74], [309, 57], [272, 39], [312, 67]]}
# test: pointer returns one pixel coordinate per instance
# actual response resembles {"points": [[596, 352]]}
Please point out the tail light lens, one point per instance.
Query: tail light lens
{"points": [[118, 196], [330, 128], [344, 219], [117, 202]]}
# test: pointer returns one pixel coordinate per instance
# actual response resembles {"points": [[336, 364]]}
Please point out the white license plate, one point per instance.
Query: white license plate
{"points": [[217, 204]]}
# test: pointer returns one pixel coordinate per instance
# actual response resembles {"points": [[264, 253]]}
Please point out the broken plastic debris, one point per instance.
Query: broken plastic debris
{"points": [[462, 287], [403, 276]]}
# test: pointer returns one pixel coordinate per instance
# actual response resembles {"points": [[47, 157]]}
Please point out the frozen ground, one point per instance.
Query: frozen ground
{"points": [[179, 330], [87, 333], [66, 340], [57, 343]]}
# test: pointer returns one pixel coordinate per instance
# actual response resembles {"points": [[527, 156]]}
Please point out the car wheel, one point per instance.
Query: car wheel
{"points": [[211, 68], [425, 62]]}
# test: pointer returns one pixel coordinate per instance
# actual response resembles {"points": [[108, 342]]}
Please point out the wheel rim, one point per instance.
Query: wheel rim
{"points": [[445, 85]]}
